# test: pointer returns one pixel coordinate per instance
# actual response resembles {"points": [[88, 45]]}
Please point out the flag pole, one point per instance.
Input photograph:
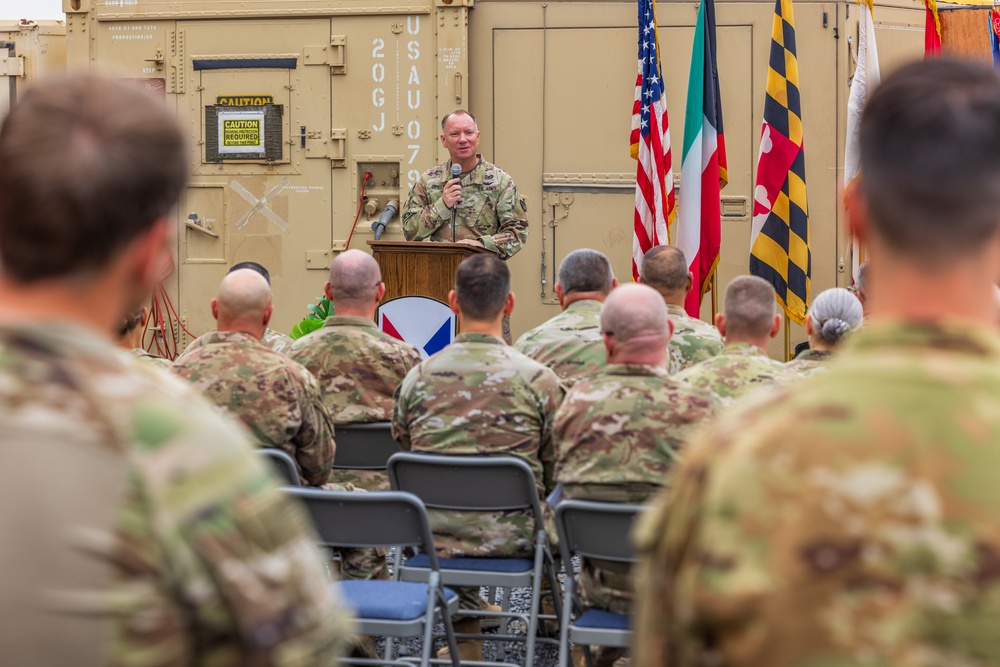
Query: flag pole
{"points": [[715, 294], [788, 338]]}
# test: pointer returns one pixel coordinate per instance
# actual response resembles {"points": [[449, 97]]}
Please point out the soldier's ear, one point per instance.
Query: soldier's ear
{"points": [[379, 293], [328, 290], [690, 283], [215, 308], [560, 294], [670, 323], [720, 323], [267, 315], [453, 302], [508, 306], [776, 326], [809, 325]]}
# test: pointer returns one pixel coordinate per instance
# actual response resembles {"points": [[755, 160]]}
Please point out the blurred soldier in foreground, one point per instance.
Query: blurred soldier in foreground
{"points": [[861, 288], [748, 321], [274, 396], [130, 337], [833, 316], [139, 527], [665, 270], [618, 433], [570, 343], [480, 396], [851, 519]]}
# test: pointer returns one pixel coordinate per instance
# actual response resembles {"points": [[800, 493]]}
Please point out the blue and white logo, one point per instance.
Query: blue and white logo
{"points": [[425, 323]]}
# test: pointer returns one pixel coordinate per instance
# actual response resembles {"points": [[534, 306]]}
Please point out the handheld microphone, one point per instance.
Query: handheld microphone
{"points": [[456, 171]]}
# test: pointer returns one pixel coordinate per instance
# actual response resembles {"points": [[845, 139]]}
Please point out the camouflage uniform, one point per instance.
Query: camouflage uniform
{"points": [[616, 436], [570, 343], [490, 209], [736, 371], [480, 396], [358, 369], [274, 396], [809, 362], [150, 358], [156, 536], [850, 519], [277, 341], [693, 341]]}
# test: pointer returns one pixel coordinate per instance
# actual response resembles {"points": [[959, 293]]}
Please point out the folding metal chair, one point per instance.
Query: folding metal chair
{"points": [[385, 608], [599, 531], [364, 446], [484, 484], [283, 465]]}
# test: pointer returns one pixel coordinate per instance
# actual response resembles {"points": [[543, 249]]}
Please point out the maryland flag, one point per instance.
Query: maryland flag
{"points": [[779, 235]]}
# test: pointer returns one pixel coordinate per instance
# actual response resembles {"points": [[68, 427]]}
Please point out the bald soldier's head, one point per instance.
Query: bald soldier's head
{"points": [[635, 326], [243, 303], [355, 286], [748, 312]]}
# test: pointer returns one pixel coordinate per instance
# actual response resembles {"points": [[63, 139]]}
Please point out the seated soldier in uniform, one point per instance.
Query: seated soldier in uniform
{"points": [[833, 316], [619, 432]]}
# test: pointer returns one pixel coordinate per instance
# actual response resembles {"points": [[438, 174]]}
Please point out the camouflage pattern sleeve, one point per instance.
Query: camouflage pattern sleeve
{"points": [[314, 444], [400, 416], [512, 222], [421, 217], [220, 567], [550, 394]]}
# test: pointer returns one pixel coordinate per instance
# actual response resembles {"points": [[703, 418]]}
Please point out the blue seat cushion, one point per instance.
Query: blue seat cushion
{"points": [[602, 620], [386, 600], [511, 565]]}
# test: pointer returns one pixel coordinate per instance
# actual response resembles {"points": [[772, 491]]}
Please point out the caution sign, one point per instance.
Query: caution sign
{"points": [[241, 132], [243, 100]]}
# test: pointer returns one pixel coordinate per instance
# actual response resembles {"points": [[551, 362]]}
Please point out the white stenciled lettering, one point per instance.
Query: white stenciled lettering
{"points": [[378, 46], [413, 98], [413, 129], [378, 97], [412, 176], [416, 151], [381, 122], [378, 72], [413, 49], [414, 79], [412, 25]]}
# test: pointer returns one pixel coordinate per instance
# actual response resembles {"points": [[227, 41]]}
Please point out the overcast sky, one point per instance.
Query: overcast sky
{"points": [[31, 9]]}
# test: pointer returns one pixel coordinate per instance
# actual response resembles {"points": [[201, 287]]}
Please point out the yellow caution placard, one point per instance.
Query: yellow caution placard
{"points": [[243, 100], [242, 133]]}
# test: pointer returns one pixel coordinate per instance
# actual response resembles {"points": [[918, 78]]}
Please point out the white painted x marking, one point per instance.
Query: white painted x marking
{"points": [[260, 205]]}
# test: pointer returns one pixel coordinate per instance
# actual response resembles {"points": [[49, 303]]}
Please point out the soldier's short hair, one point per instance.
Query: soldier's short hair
{"points": [[253, 266], [586, 270], [458, 112], [87, 164], [664, 268], [130, 322], [354, 276], [633, 311], [482, 283], [749, 307], [930, 158]]}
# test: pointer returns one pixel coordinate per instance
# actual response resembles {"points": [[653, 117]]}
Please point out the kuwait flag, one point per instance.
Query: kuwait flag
{"points": [[703, 165]]}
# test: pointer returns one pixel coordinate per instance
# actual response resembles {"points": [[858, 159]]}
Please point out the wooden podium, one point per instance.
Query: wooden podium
{"points": [[420, 268]]}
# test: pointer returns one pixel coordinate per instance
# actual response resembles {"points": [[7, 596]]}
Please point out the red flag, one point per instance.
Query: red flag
{"points": [[932, 30], [650, 145]]}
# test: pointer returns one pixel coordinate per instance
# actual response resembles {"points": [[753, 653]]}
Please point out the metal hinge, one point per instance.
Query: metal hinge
{"points": [[11, 65], [333, 55]]}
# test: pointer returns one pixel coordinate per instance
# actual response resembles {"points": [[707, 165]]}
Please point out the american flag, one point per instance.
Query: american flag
{"points": [[650, 139]]}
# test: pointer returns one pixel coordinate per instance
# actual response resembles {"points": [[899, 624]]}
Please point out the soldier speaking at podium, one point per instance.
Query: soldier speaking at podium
{"points": [[467, 199], [479, 205]]}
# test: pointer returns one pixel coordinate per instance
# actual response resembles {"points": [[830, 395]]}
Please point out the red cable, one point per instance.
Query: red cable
{"points": [[361, 203]]}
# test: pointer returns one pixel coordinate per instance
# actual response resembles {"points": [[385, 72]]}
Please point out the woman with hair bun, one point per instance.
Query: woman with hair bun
{"points": [[833, 316]]}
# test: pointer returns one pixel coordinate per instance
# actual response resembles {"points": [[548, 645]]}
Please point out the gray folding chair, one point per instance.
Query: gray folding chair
{"points": [[364, 446], [484, 484], [283, 465], [600, 531], [385, 608]]}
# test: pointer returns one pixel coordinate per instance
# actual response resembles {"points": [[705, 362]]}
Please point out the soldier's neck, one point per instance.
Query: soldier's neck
{"points": [[97, 303], [492, 328]]}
